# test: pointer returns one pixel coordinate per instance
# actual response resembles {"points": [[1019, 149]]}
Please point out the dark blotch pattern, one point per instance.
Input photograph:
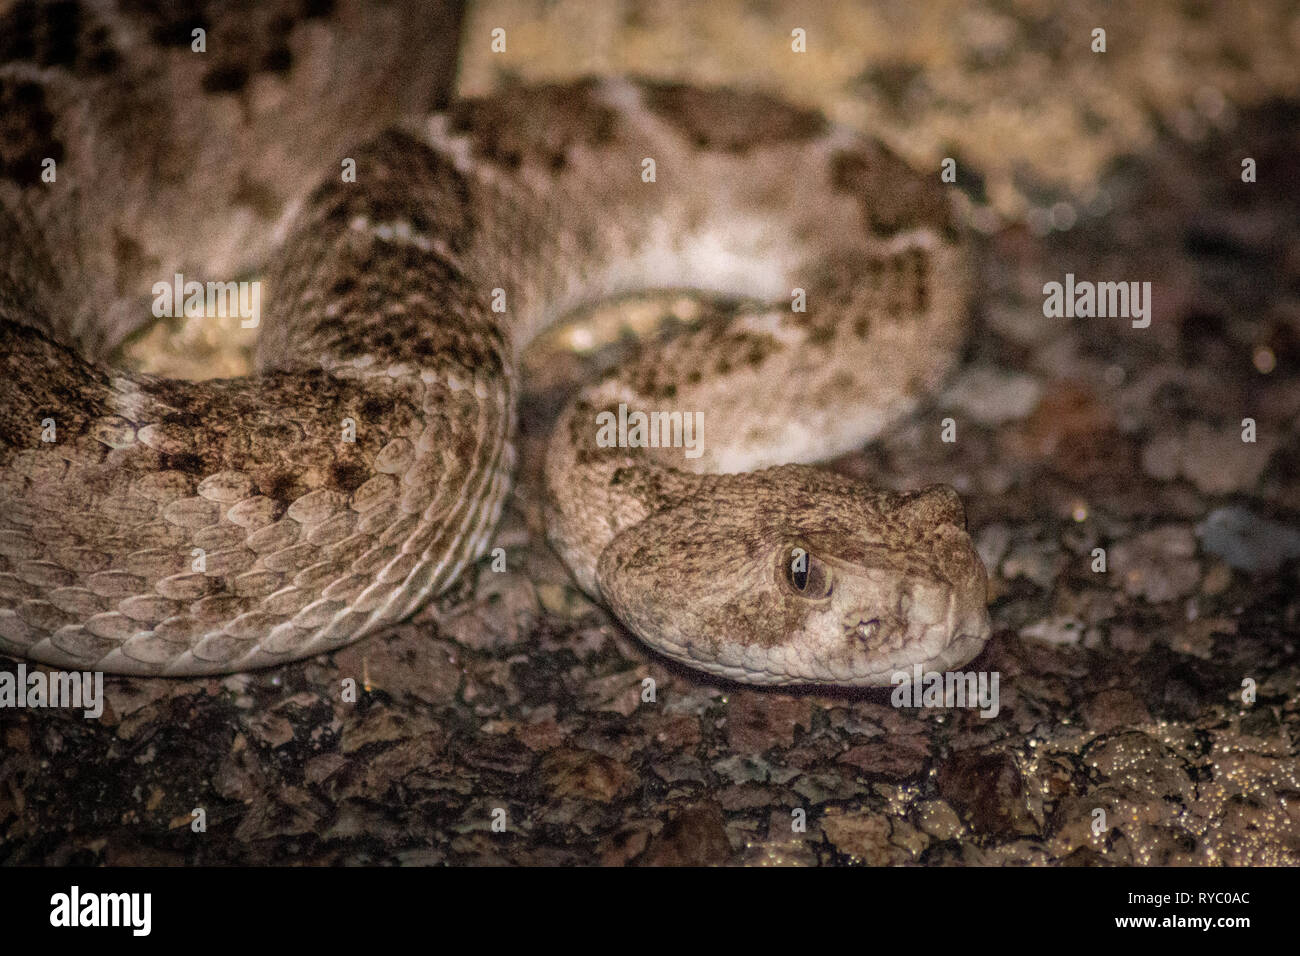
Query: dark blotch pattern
{"points": [[730, 120], [59, 34], [534, 126], [905, 201], [27, 134]]}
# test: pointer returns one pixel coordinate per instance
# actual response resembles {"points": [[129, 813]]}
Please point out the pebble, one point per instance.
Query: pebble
{"points": [[1215, 460], [1246, 541], [989, 789], [991, 396], [757, 722], [939, 819], [696, 836], [1064, 629], [584, 774], [865, 836], [1158, 565], [1035, 560]]}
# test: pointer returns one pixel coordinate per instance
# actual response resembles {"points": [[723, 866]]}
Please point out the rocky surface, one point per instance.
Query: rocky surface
{"points": [[1148, 709]]}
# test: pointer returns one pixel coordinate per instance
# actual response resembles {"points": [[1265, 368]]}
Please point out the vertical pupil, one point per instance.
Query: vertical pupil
{"points": [[799, 575]]}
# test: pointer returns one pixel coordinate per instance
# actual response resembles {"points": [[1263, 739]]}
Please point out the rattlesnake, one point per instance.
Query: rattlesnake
{"points": [[400, 302]]}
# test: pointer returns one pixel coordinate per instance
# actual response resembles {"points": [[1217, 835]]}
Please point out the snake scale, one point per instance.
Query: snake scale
{"points": [[401, 301]]}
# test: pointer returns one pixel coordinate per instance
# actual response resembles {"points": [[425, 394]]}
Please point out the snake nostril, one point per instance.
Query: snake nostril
{"points": [[868, 631]]}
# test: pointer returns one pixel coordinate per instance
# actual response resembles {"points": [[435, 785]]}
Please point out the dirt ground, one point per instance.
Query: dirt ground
{"points": [[1148, 712]]}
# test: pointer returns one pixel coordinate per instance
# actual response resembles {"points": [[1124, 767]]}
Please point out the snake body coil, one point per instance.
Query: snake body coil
{"points": [[401, 301]]}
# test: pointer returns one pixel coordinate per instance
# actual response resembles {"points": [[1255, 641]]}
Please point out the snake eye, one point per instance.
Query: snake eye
{"points": [[807, 576]]}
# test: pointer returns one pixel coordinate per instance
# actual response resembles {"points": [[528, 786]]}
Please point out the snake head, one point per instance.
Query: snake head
{"points": [[797, 576]]}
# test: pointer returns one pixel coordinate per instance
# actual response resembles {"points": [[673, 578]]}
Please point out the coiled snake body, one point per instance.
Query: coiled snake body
{"points": [[402, 300]]}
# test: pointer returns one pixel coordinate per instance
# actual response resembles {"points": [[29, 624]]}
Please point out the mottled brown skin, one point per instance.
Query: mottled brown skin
{"points": [[703, 579], [379, 310]]}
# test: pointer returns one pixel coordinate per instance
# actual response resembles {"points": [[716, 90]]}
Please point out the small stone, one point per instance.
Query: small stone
{"points": [[540, 735], [1035, 560], [1131, 640], [1248, 542], [741, 797], [321, 768], [1162, 456], [618, 693], [991, 396], [1131, 759], [1159, 564], [271, 729], [866, 836], [938, 819], [742, 769], [621, 847], [1217, 579], [403, 662], [380, 725], [584, 774], [1219, 462], [990, 790], [757, 722], [1114, 709], [824, 786], [1066, 630], [781, 825], [501, 615], [676, 731], [562, 600], [694, 837], [780, 853], [1196, 638], [897, 756], [678, 769]]}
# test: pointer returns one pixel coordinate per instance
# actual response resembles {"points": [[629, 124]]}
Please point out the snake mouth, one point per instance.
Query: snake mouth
{"points": [[961, 650], [940, 652]]}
